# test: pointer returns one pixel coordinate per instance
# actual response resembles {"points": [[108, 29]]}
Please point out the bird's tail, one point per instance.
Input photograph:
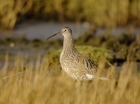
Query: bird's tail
{"points": [[90, 77], [102, 78]]}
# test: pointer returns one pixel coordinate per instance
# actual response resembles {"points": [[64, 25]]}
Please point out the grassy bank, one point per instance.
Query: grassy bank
{"points": [[40, 84], [99, 12], [126, 46]]}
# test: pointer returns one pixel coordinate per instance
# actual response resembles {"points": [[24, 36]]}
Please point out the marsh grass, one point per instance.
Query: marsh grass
{"points": [[38, 83], [100, 12]]}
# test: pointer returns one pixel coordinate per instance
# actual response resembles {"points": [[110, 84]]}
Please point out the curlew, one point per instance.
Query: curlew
{"points": [[72, 62]]}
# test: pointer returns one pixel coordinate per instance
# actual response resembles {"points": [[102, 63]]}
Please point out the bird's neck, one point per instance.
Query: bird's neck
{"points": [[68, 44]]}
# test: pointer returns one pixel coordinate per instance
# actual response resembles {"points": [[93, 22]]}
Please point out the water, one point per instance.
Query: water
{"points": [[44, 30]]}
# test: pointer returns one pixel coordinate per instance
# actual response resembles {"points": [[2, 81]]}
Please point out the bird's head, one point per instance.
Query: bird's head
{"points": [[66, 31]]}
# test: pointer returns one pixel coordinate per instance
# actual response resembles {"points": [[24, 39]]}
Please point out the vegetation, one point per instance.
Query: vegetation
{"points": [[40, 79], [99, 12], [125, 46], [35, 83]]}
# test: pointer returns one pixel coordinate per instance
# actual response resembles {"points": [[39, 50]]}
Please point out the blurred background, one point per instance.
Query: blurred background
{"points": [[102, 13], [112, 24]]}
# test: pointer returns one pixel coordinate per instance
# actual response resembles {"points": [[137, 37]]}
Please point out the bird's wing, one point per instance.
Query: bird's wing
{"points": [[85, 65], [89, 66]]}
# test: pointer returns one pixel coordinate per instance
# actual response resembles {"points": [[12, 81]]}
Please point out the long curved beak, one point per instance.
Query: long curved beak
{"points": [[54, 35]]}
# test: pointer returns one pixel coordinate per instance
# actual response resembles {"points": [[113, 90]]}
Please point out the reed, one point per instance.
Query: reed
{"points": [[100, 12], [38, 83]]}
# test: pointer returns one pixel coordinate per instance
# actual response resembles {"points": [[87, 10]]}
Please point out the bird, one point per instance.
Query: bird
{"points": [[74, 63]]}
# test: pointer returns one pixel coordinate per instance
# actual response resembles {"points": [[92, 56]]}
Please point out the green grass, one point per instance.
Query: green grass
{"points": [[42, 84]]}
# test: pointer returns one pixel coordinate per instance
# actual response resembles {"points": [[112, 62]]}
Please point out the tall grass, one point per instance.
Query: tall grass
{"points": [[99, 12], [38, 84]]}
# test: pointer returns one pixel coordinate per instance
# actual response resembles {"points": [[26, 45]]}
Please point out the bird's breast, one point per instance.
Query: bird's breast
{"points": [[61, 57]]}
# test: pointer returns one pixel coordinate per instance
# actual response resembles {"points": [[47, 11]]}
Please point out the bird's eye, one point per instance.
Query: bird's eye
{"points": [[65, 30]]}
